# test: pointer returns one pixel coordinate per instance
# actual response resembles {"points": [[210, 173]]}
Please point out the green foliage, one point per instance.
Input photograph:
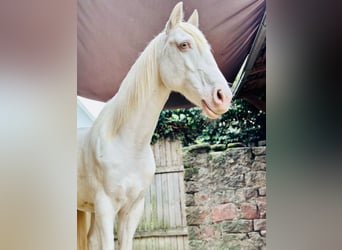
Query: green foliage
{"points": [[242, 123]]}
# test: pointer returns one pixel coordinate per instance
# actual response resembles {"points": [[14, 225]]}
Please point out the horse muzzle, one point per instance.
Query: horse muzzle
{"points": [[218, 104]]}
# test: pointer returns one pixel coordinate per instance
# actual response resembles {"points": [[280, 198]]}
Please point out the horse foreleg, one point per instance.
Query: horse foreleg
{"points": [[104, 219], [93, 235], [128, 220]]}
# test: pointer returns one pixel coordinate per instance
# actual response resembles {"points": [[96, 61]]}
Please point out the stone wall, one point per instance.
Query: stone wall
{"points": [[225, 198]]}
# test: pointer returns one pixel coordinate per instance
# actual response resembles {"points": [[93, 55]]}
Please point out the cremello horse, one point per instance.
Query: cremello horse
{"points": [[115, 161]]}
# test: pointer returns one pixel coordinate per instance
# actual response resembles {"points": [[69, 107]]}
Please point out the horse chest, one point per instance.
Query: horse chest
{"points": [[137, 178]]}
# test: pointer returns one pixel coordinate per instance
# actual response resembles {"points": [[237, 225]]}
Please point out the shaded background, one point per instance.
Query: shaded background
{"points": [[112, 34]]}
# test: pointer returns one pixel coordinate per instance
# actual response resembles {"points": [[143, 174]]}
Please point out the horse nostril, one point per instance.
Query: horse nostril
{"points": [[221, 98], [219, 95]]}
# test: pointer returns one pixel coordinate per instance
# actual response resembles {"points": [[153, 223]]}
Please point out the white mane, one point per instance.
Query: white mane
{"points": [[133, 91]]}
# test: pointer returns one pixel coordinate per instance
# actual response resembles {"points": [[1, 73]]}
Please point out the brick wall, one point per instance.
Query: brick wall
{"points": [[225, 198]]}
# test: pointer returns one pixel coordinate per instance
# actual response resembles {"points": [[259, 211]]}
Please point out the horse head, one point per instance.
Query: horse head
{"points": [[187, 65]]}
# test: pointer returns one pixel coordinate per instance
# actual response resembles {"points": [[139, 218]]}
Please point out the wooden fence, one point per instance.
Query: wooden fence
{"points": [[163, 225]]}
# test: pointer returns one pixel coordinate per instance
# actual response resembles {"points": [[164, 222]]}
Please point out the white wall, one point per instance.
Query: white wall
{"points": [[87, 111], [83, 119]]}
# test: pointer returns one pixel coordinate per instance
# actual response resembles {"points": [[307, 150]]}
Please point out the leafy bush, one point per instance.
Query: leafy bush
{"points": [[242, 123]]}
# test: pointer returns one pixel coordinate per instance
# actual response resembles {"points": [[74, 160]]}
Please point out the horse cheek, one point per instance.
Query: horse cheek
{"points": [[168, 76]]}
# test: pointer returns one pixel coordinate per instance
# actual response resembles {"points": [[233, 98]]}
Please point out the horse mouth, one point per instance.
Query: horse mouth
{"points": [[208, 111]]}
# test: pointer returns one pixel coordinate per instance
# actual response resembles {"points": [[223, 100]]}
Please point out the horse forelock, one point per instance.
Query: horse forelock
{"points": [[196, 34]]}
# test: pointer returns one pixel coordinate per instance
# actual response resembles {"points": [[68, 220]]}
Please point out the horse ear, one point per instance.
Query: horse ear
{"points": [[175, 17], [193, 19]]}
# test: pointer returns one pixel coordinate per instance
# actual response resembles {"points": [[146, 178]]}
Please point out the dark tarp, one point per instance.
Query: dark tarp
{"points": [[112, 33]]}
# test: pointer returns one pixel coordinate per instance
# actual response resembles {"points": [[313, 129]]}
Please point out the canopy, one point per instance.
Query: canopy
{"points": [[112, 33]]}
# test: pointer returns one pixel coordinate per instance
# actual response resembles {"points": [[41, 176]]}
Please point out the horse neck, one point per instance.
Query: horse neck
{"points": [[134, 111], [142, 122]]}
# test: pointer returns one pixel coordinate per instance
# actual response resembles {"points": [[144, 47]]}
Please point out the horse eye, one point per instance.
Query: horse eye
{"points": [[184, 46]]}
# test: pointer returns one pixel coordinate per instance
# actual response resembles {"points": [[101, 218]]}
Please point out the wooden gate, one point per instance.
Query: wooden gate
{"points": [[163, 225]]}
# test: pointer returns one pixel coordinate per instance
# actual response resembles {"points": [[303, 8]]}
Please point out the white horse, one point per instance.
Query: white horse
{"points": [[115, 161]]}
